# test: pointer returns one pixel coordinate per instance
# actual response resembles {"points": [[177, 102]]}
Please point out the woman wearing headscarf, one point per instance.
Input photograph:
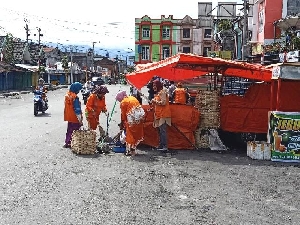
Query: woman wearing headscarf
{"points": [[72, 112], [132, 117], [95, 105], [162, 113]]}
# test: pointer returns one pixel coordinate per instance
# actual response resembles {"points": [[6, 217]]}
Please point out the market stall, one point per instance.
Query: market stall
{"points": [[214, 111]]}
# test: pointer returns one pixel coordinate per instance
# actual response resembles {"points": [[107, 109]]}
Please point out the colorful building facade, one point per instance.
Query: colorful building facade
{"points": [[158, 39], [265, 13]]}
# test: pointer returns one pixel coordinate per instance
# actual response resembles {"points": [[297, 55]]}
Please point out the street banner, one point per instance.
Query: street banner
{"points": [[284, 135]]}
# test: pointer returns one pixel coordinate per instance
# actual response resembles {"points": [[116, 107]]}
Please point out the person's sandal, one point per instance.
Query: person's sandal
{"points": [[66, 146], [128, 153], [132, 152]]}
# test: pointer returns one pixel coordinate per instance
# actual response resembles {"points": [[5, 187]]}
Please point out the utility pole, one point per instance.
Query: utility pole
{"points": [[245, 29], [93, 56], [27, 30], [71, 67], [94, 42], [39, 35]]}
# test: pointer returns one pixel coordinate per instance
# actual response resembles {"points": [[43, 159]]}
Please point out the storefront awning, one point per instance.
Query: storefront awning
{"points": [[289, 22]]}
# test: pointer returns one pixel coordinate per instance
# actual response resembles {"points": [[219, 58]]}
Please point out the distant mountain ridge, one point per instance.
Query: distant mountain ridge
{"points": [[113, 52]]}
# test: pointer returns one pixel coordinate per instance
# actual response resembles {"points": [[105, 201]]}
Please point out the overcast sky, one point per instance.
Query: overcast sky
{"points": [[83, 22]]}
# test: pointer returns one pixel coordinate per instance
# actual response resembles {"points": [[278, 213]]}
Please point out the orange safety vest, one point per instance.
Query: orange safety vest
{"points": [[180, 96], [69, 113], [126, 106], [162, 111]]}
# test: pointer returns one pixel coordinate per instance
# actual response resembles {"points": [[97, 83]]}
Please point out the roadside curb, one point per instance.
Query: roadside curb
{"points": [[25, 92], [4, 94]]}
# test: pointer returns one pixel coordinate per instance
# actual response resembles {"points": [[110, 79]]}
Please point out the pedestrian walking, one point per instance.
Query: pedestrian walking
{"points": [[162, 113], [72, 112], [95, 105], [132, 117]]}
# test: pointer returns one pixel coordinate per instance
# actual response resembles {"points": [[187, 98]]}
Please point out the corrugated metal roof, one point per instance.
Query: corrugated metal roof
{"points": [[28, 67], [4, 67]]}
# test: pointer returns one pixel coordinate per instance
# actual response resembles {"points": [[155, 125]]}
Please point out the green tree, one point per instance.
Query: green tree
{"points": [[65, 63], [224, 24], [130, 69], [8, 53]]}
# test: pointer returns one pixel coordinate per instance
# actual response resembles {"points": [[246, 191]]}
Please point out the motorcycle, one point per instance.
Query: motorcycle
{"points": [[40, 102], [85, 95]]}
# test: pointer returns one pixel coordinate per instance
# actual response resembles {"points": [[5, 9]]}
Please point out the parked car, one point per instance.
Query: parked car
{"points": [[98, 81]]}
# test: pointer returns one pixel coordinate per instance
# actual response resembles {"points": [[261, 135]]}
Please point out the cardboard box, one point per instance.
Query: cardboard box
{"points": [[259, 150]]}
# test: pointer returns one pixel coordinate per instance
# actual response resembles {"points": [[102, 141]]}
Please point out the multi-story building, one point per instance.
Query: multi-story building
{"points": [[158, 39], [265, 13], [271, 20], [290, 7]]}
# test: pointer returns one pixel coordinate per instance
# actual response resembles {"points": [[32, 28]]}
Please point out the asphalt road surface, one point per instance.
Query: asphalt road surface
{"points": [[43, 183]]}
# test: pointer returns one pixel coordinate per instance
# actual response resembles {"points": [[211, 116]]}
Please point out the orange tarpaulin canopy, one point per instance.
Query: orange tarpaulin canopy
{"points": [[184, 66]]}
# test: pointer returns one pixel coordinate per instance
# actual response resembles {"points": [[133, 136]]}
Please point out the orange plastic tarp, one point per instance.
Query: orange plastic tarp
{"points": [[250, 112], [184, 117], [184, 66]]}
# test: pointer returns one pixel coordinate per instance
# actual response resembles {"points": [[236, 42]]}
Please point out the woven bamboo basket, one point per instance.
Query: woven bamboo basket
{"points": [[84, 142], [207, 100], [201, 139], [209, 119]]}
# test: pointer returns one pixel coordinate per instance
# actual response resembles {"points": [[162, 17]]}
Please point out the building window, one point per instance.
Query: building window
{"points": [[206, 50], [207, 33], [186, 33], [145, 52], [186, 49], [166, 32], [145, 32], [165, 52]]}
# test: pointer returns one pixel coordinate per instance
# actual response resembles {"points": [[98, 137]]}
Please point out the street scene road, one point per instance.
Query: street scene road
{"points": [[43, 183]]}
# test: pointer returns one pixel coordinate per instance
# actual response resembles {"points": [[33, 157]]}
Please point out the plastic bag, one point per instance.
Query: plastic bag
{"points": [[123, 137]]}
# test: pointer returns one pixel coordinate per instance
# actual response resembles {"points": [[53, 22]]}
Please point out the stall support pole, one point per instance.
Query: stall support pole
{"points": [[278, 91], [215, 80], [272, 94], [222, 84]]}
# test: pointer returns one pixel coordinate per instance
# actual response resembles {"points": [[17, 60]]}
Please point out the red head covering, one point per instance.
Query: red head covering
{"points": [[101, 90], [158, 84]]}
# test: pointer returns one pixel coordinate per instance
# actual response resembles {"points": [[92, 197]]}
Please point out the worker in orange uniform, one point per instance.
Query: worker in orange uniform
{"points": [[180, 95], [132, 118], [95, 105], [162, 114]]}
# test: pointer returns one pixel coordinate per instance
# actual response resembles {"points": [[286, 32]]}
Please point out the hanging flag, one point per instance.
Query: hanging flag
{"points": [[1, 56]]}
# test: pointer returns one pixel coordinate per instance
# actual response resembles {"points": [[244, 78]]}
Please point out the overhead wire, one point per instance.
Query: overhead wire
{"points": [[67, 26]]}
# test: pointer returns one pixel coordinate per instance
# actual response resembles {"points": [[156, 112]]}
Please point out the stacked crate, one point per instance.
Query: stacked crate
{"points": [[208, 103]]}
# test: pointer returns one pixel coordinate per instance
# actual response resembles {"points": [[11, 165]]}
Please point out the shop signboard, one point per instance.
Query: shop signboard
{"points": [[284, 135]]}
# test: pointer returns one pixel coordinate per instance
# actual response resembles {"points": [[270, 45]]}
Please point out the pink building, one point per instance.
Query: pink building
{"points": [[265, 13]]}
